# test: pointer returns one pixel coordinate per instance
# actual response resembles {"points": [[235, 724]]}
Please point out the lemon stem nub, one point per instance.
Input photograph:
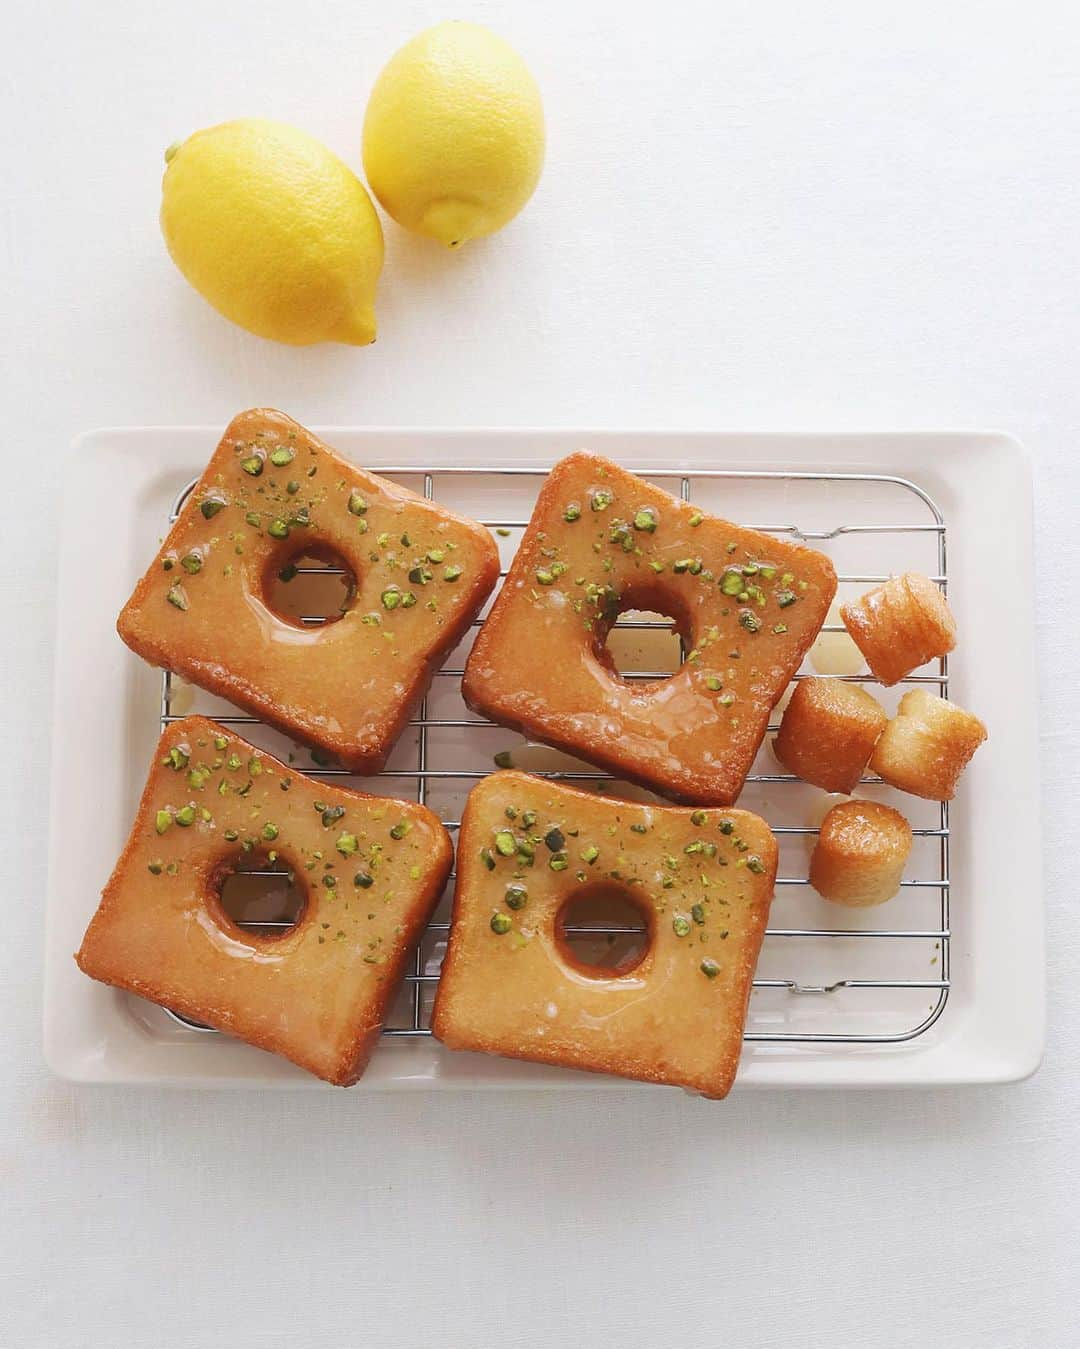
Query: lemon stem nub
{"points": [[171, 151]]}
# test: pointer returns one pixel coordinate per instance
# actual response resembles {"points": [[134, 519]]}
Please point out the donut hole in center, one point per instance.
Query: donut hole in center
{"points": [[604, 929], [310, 587], [640, 638], [260, 894]]}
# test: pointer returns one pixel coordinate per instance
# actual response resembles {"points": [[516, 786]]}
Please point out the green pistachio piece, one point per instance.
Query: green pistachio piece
{"points": [[357, 504], [155, 868], [544, 577], [749, 620], [559, 862], [501, 924], [697, 913], [192, 563], [784, 598], [590, 854], [680, 925], [504, 759], [645, 520], [698, 818], [210, 507], [252, 465], [177, 598], [572, 513], [185, 816], [363, 880], [714, 684], [505, 843], [731, 583], [756, 865], [695, 520], [400, 829], [391, 598], [601, 499], [163, 820], [451, 573], [709, 968], [269, 832], [282, 456], [278, 529], [516, 896]]}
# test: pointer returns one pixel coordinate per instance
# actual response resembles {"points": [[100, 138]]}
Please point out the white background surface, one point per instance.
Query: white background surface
{"points": [[786, 215]]}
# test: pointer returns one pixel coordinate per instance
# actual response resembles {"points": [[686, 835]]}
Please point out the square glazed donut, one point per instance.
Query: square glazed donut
{"points": [[271, 493], [701, 882], [372, 869], [601, 541]]}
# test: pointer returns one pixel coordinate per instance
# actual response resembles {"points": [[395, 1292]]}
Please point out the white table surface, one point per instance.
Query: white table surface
{"points": [[757, 214]]}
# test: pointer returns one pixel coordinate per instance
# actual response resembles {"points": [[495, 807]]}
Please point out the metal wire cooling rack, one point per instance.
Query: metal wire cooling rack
{"points": [[420, 780]]}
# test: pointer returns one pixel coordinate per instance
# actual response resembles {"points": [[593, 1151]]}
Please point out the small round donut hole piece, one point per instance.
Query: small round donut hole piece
{"points": [[927, 746], [828, 732], [900, 625], [860, 854]]}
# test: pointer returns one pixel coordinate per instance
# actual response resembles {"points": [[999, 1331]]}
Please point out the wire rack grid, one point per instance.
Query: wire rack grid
{"points": [[418, 781]]}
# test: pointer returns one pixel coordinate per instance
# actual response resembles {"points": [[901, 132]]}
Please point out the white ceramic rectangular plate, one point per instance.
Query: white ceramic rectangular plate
{"points": [[911, 1010]]}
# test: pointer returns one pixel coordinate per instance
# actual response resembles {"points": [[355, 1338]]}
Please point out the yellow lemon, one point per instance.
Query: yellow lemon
{"points": [[275, 231], [454, 134]]}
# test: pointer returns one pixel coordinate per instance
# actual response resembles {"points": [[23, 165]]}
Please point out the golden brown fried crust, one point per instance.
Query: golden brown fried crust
{"points": [[900, 625], [860, 854], [600, 541], [828, 732], [347, 686], [927, 746], [702, 881], [318, 993]]}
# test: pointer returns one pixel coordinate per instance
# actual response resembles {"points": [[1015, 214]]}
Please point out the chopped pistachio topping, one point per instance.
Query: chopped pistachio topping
{"points": [[555, 840], [601, 499], [177, 758], [756, 865], [282, 456], [330, 815], [487, 858], [287, 572], [504, 759], [363, 880], [590, 854], [278, 529], [645, 520], [451, 573], [749, 620], [357, 504], [505, 844], [221, 742], [726, 826], [695, 520], [727, 699], [252, 465], [155, 868], [210, 507], [698, 818], [680, 925], [714, 684], [779, 628], [559, 862], [697, 913], [391, 597], [185, 816], [269, 832], [528, 819], [231, 835], [709, 968], [400, 829], [516, 896], [500, 924], [503, 533], [785, 598], [255, 766], [346, 844], [544, 577], [572, 513], [638, 829], [192, 563], [177, 598], [163, 820], [657, 567]]}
